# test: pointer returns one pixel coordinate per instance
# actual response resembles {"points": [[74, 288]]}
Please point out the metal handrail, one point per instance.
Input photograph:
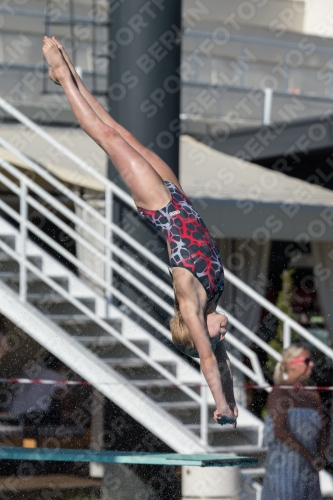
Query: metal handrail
{"points": [[108, 328], [190, 83], [126, 198], [243, 88], [313, 95], [25, 266], [289, 323], [252, 336], [79, 201], [255, 40], [99, 281], [77, 237], [292, 324], [257, 376], [159, 283], [41, 15], [201, 400]]}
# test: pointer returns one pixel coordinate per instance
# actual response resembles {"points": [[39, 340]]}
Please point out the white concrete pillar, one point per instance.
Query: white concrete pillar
{"points": [[210, 483], [96, 469], [122, 483]]}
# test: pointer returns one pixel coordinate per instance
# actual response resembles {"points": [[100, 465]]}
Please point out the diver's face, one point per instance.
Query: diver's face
{"points": [[217, 325]]}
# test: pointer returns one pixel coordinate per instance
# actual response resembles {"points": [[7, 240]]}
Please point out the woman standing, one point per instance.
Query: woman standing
{"points": [[294, 431]]}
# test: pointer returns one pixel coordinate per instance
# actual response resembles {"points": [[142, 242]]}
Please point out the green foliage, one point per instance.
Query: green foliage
{"points": [[284, 303]]}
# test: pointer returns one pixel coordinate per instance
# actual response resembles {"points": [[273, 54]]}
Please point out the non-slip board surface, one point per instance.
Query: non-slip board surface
{"points": [[122, 457]]}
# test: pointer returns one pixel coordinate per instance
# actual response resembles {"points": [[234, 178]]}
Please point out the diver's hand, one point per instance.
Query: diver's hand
{"points": [[226, 415]]}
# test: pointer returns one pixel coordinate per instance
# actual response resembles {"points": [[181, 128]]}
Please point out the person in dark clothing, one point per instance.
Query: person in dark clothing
{"points": [[294, 431]]}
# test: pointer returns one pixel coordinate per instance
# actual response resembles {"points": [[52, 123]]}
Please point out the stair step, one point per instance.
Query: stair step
{"points": [[58, 306], [86, 328], [35, 286], [135, 362], [190, 415], [9, 239], [136, 368], [55, 298], [161, 390], [8, 265], [60, 318], [165, 384], [178, 405], [108, 348], [9, 276], [188, 412], [227, 436]]}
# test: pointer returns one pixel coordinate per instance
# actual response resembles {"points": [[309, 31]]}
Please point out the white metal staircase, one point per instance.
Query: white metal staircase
{"points": [[95, 333]]}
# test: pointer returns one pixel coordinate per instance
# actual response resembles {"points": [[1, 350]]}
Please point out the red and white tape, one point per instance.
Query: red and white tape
{"points": [[42, 381], [157, 384]]}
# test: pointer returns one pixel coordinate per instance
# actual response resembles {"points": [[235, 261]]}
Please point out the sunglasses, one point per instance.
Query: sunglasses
{"points": [[307, 361]]}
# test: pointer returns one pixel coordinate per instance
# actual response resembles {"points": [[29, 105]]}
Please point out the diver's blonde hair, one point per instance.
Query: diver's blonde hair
{"points": [[181, 336], [288, 354]]}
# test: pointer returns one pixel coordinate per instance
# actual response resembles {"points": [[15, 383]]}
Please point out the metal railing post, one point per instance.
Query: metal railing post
{"points": [[204, 411], [268, 101], [286, 73], [286, 335], [23, 238], [242, 72], [108, 252]]}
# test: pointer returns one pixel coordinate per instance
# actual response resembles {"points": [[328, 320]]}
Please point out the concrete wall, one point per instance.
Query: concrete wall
{"points": [[318, 19], [254, 13]]}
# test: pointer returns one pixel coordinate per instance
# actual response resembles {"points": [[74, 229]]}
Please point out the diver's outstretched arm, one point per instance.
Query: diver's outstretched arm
{"points": [[226, 375], [193, 317]]}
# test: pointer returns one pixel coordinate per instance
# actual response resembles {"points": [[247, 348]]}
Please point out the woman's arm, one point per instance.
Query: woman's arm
{"points": [[223, 363], [194, 320]]}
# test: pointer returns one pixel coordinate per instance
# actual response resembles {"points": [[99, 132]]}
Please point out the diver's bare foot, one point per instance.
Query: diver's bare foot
{"points": [[58, 67], [66, 57], [51, 70]]}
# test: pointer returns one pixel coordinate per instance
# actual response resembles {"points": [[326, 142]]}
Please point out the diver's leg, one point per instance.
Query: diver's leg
{"points": [[155, 161], [145, 184]]}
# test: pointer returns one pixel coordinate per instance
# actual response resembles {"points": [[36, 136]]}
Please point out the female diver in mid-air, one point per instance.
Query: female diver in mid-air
{"points": [[194, 258]]}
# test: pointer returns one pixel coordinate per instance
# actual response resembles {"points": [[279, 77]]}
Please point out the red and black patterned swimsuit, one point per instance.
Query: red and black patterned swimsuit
{"points": [[191, 244]]}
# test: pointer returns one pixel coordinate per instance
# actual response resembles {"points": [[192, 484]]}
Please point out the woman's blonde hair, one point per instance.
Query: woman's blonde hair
{"points": [[291, 352], [181, 336]]}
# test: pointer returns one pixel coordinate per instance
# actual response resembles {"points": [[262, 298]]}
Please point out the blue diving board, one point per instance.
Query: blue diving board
{"points": [[121, 457]]}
